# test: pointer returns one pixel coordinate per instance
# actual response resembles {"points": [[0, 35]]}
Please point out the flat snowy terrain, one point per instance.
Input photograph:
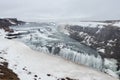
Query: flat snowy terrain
{"points": [[32, 65]]}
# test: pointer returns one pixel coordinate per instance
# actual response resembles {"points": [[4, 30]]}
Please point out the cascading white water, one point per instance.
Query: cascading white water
{"points": [[81, 58]]}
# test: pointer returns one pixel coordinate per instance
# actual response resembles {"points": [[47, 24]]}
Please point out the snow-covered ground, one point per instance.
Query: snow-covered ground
{"points": [[117, 24], [32, 65]]}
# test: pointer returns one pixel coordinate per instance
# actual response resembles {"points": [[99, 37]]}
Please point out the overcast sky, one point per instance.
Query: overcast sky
{"points": [[54, 9]]}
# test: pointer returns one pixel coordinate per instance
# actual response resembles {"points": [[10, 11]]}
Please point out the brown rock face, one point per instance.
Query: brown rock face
{"points": [[7, 74]]}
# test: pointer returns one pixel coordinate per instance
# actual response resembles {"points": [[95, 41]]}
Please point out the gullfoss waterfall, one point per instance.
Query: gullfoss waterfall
{"points": [[46, 38]]}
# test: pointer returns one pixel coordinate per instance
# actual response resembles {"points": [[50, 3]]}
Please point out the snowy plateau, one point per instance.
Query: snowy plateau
{"points": [[48, 51]]}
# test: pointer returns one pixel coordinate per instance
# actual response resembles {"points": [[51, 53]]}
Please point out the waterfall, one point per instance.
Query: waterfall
{"points": [[82, 58], [38, 41], [47, 39], [77, 57]]}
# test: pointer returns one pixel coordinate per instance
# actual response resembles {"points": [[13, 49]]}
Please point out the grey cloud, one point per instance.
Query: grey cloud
{"points": [[28, 9]]}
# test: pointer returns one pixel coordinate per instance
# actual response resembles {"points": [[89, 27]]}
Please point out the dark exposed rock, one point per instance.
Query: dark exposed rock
{"points": [[48, 74], [15, 34], [29, 72], [67, 78], [6, 73], [6, 22], [35, 76], [49, 48], [61, 79], [56, 50]]}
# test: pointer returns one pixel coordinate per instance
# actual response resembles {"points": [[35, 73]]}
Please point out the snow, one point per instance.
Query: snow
{"points": [[109, 44], [110, 72], [117, 24], [99, 30], [111, 41], [11, 21], [101, 50], [27, 63], [87, 24], [2, 33], [19, 32]]}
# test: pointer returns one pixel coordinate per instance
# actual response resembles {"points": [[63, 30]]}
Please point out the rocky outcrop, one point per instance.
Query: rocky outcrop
{"points": [[6, 22], [105, 39], [5, 72]]}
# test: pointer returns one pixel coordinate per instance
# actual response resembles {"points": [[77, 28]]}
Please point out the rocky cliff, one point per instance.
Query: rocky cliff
{"points": [[103, 36], [6, 22]]}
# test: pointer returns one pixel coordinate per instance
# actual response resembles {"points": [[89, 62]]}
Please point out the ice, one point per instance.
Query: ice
{"points": [[82, 58], [111, 73], [110, 64]]}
